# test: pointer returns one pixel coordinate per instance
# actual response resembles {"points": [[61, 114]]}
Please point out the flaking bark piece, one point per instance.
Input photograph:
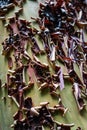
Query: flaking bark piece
{"points": [[18, 115], [43, 86], [12, 92], [59, 73], [10, 63], [79, 128], [81, 25], [43, 76], [20, 96], [28, 103], [5, 5], [62, 127], [61, 107], [20, 125], [19, 75], [16, 86], [85, 82], [41, 70], [48, 14], [20, 26], [53, 53], [45, 113], [35, 47], [25, 125], [31, 73], [79, 100], [75, 77], [9, 43], [44, 117], [20, 33], [17, 95], [19, 2], [36, 117], [55, 81]]}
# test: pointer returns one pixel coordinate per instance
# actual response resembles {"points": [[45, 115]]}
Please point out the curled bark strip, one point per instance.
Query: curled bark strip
{"points": [[6, 5], [78, 97], [31, 73], [63, 126], [10, 63], [37, 116], [35, 48], [79, 128], [59, 73]]}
